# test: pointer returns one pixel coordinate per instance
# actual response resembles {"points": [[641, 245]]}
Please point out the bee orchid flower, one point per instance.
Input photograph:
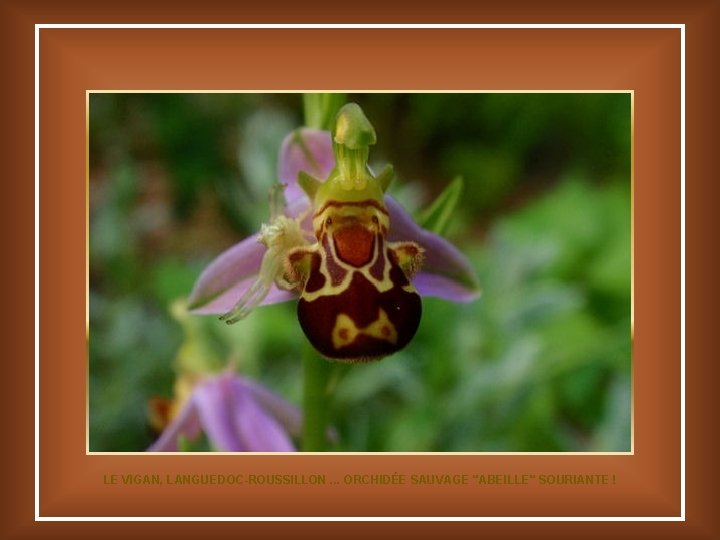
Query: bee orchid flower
{"points": [[338, 241], [236, 414]]}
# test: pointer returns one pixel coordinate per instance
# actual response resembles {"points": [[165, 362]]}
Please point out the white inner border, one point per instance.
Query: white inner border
{"points": [[680, 27]]}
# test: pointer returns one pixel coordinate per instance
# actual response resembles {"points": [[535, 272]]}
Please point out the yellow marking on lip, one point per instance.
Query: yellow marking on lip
{"points": [[346, 331], [347, 205], [382, 285]]}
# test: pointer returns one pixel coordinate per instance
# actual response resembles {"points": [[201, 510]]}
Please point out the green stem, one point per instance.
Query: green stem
{"points": [[320, 109], [316, 374]]}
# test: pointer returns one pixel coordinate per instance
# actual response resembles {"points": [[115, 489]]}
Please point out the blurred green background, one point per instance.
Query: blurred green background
{"points": [[542, 362]]}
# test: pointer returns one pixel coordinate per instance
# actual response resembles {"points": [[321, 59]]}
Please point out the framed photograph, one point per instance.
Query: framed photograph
{"points": [[539, 362], [541, 171]]}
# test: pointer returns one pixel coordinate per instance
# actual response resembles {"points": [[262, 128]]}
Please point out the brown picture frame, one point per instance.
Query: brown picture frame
{"points": [[649, 483]]}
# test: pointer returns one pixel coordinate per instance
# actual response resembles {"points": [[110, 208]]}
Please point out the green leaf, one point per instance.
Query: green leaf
{"points": [[437, 216]]}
